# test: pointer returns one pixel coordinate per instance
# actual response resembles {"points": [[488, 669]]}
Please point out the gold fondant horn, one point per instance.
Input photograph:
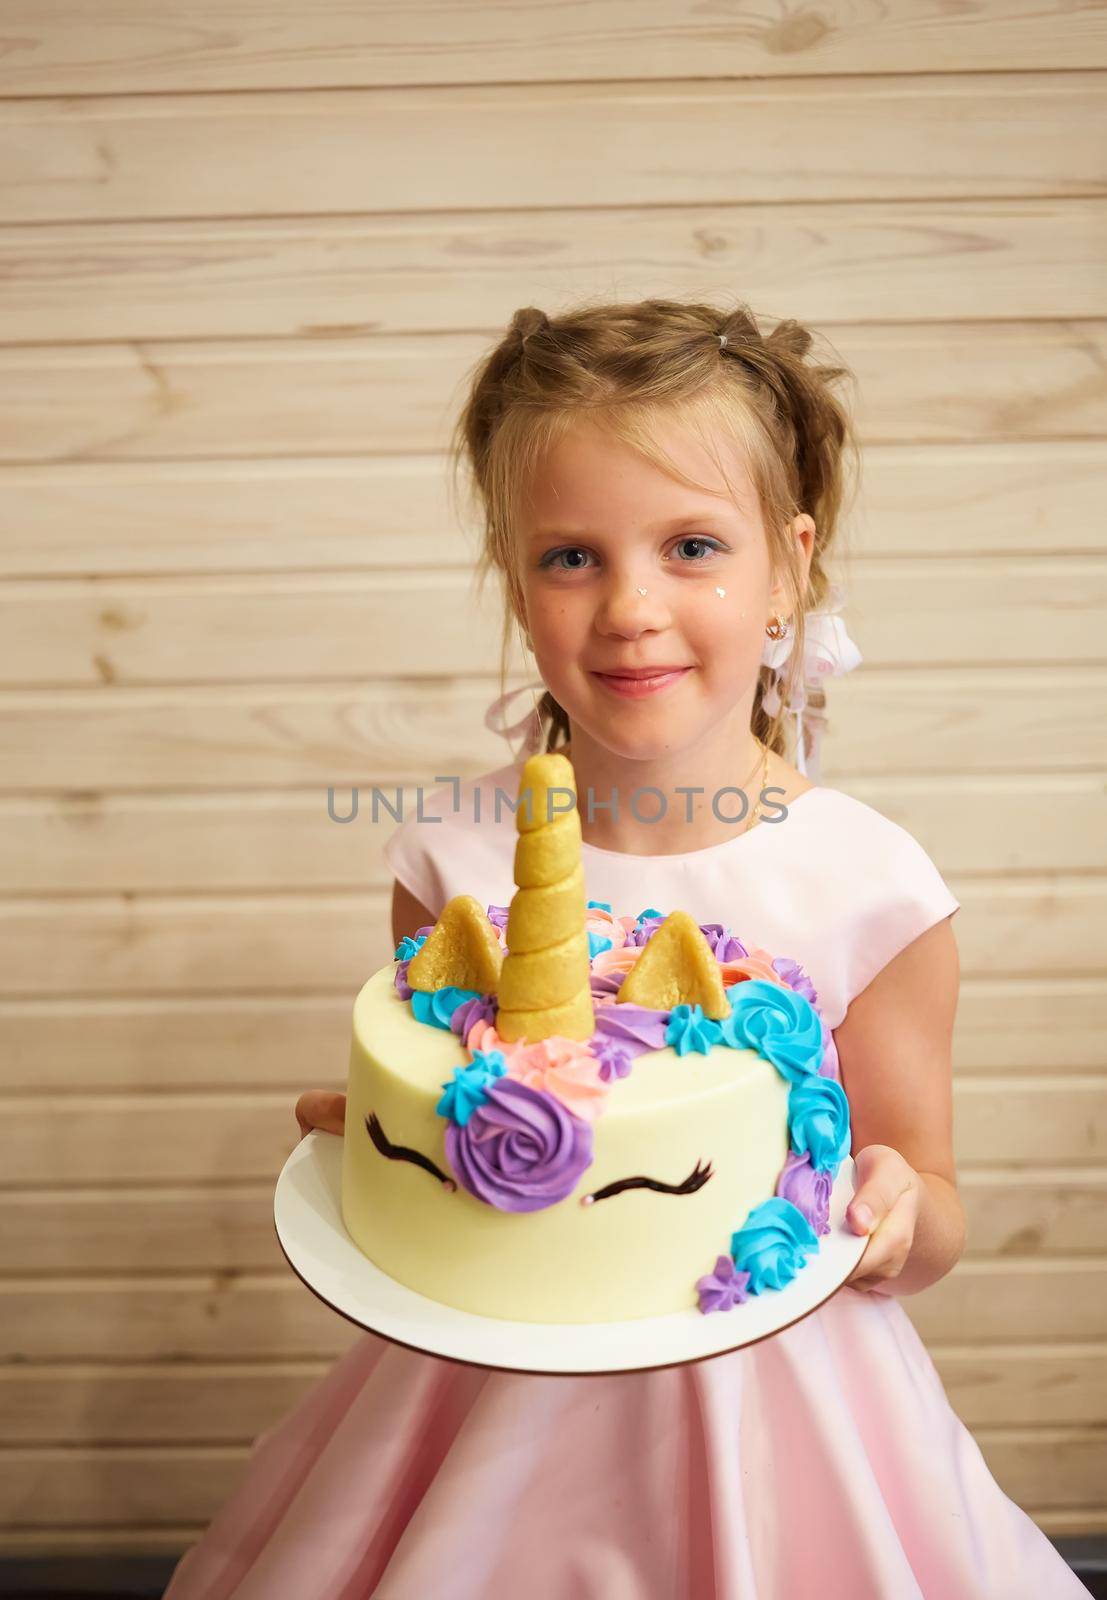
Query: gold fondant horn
{"points": [[544, 982]]}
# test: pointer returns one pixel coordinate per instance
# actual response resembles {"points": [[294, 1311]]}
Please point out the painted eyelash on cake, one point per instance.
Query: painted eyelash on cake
{"points": [[402, 1152], [695, 1180]]}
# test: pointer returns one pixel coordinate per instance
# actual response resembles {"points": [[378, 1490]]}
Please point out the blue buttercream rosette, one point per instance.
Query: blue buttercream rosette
{"points": [[772, 1244], [438, 1006], [818, 1122], [778, 1023], [688, 1029], [468, 1088]]}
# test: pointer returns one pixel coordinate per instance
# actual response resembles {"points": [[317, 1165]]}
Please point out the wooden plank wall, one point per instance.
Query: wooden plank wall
{"points": [[247, 268]]}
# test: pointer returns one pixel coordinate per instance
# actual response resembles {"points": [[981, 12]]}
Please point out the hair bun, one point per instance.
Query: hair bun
{"points": [[528, 320]]}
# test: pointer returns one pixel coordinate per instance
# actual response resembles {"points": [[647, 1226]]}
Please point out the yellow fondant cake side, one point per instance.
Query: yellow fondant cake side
{"points": [[634, 1254]]}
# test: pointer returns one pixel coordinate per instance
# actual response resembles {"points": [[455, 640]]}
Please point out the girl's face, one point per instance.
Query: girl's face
{"points": [[624, 568]]}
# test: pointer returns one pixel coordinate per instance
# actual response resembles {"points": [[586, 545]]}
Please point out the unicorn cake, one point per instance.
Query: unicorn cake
{"points": [[557, 1113]]}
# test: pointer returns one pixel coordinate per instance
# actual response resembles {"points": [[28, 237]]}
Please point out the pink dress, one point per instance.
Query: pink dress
{"points": [[825, 1461]]}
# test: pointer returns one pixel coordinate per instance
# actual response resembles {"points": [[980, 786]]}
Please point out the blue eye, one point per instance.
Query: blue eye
{"points": [[696, 538], [551, 559]]}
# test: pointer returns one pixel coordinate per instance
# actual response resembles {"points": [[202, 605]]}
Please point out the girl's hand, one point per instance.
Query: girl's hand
{"points": [[321, 1108], [885, 1205]]}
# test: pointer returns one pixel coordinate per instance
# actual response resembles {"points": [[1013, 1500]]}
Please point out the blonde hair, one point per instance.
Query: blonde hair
{"points": [[629, 368]]}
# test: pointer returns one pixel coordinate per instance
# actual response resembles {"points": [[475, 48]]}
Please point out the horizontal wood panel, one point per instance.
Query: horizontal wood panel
{"points": [[94, 518], [251, 839], [281, 1039], [1025, 1024], [1050, 927], [124, 1484], [99, 1488], [1030, 1121], [149, 45], [1028, 1212], [150, 1404], [997, 720], [211, 1317], [289, 153], [954, 721], [268, 944], [1034, 1385], [230, 1317], [1047, 1466], [1003, 1026], [1047, 1385], [213, 1228], [1011, 1302], [877, 261], [940, 382], [977, 611], [169, 1138], [167, 1539], [172, 1138]]}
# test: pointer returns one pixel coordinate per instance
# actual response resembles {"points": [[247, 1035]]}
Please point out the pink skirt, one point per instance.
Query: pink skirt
{"points": [[825, 1461]]}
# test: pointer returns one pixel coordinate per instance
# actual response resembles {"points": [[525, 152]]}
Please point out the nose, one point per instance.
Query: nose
{"points": [[631, 605]]}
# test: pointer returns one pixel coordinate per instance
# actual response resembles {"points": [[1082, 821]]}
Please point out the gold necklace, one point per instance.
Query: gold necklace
{"points": [[755, 814]]}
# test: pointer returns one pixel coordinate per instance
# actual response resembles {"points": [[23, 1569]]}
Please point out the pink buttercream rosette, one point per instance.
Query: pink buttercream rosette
{"points": [[758, 964], [603, 924], [565, 1068]]}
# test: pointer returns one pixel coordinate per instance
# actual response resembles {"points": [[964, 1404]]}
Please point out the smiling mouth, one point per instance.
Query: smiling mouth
{"points": [[642, 672], [642, 683]]}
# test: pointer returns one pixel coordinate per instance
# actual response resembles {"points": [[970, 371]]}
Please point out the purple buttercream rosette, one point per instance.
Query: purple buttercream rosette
{"points": [[614, 1059], [724, 1288], [522, 1150], [636, 1028], [808, 1190], [482, 1008], [795, 977], [725, 946], [643, 930]]}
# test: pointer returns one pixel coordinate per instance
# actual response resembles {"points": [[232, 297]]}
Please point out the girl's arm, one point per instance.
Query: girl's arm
{"points": [[322, 1108], [895, 1050]]}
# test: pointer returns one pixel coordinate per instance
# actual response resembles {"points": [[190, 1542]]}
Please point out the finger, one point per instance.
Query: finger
{"points": [[884, 1256], [871, 1286], [322, 1109], [873, 1202]]}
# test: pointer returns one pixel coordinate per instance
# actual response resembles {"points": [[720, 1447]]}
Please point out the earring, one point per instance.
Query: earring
{"points": [[777, 628], [641, 590]]}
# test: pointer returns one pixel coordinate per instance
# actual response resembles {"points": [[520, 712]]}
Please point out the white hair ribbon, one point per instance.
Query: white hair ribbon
{"points": [[828, 652], [530, 725]]}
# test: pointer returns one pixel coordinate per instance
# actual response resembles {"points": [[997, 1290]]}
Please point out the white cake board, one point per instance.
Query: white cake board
{"points": [[307, 1210]]}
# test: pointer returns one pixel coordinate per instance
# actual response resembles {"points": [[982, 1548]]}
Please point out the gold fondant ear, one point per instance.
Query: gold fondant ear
{"points": [[461, 951], [677, 967]]}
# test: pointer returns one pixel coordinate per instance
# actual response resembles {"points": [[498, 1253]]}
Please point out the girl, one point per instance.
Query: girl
{"points": [[661, 485]]}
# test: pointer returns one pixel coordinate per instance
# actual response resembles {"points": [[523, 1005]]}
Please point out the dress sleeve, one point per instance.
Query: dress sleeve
{"points": [[412, 864], [905, 895]]}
